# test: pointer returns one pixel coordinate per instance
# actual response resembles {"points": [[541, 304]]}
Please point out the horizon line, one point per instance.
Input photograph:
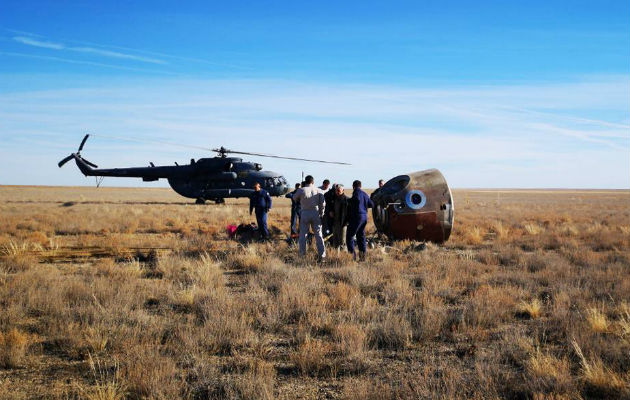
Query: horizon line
{"points": [[489, 189]]}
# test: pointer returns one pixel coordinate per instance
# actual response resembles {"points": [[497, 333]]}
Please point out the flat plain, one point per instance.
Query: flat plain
{"points": [[115, 293]]}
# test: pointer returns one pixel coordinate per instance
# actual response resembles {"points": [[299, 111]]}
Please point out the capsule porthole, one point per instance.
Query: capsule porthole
{"points": [[415, 199]]}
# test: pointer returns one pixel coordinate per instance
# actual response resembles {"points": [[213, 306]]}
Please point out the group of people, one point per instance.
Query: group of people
{"points": [[324, 210], [328, 212]]}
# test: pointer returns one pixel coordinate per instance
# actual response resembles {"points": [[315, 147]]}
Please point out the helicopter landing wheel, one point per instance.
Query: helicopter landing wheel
{"points": [[200, 200], [219, 201]]}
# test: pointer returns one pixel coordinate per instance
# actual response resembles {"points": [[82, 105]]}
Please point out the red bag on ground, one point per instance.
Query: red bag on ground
{"points": [[231, 230]]}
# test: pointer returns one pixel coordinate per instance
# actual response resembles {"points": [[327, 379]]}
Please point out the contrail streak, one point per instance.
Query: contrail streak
{"points": [[106, 53], [37, 40], [92, 63]]}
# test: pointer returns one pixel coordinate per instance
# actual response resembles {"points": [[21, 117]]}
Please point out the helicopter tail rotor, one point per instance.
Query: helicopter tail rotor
{"points": [[65, 160], [77, 155], [83, 143]]}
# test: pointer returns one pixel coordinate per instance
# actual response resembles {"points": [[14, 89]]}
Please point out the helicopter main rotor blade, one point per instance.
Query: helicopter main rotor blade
{"points": [[281, 157], [65, 160], [220, 151]]}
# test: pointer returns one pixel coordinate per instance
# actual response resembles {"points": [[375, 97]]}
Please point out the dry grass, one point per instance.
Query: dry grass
{"points": [[108, 385], [13, 345], [532, 229], [247, 260], [531, 309], [548, 374], [501, 230], [311, 357], [601, 380], [624, 321], [474, 236], [258, 381], [392, 332], [597, 320], [351, 340], [135, 293]]}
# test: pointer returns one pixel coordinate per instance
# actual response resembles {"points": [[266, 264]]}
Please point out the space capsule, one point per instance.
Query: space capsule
{"points": [[416, 206]]}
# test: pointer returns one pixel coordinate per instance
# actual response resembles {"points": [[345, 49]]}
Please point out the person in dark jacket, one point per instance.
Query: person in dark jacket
{"points": [[261, 202], [375, 210], [295, 211], [327, 222], [357, 215], [338, 214]]}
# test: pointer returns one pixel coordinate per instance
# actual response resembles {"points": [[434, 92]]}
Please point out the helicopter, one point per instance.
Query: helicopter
{"points": [[204, 179]]}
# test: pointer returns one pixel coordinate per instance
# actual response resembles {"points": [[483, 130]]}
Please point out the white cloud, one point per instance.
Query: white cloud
{"points": [[546, 135]]}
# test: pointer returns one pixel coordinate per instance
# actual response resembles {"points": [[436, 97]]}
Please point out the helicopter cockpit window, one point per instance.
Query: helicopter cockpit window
{"points": [[228, 167], [269, 182]]}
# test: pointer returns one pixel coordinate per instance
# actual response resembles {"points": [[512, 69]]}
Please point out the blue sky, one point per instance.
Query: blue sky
{"points": [[494, 94]]}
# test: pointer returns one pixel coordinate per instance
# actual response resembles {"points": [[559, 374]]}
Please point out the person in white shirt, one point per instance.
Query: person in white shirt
{"points": [[312, 206], [325, 187]]}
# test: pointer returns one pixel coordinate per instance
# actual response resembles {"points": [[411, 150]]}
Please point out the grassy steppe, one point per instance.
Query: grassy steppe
{"points": [[137, 293]]}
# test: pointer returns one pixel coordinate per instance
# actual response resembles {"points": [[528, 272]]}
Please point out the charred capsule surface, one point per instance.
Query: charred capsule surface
{"points": [[416, 206]]}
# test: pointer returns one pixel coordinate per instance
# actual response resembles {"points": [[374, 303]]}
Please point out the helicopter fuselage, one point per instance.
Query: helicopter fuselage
{"points": [[213, 178], [235, 179]]}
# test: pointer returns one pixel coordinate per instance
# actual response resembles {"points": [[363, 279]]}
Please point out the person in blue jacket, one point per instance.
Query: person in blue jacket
{"points": [[261, 202], [357, 215]]}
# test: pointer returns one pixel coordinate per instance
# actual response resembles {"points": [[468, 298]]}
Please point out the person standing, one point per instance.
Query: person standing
{"points": [[375, 210], [327, 222], [260, 201], [338, 214], [295, 210], [357, 214], [325, 187], [381, 183], [312, 205]]}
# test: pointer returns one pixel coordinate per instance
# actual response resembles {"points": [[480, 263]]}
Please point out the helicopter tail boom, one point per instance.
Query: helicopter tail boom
{"points": [[90, 169]]}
